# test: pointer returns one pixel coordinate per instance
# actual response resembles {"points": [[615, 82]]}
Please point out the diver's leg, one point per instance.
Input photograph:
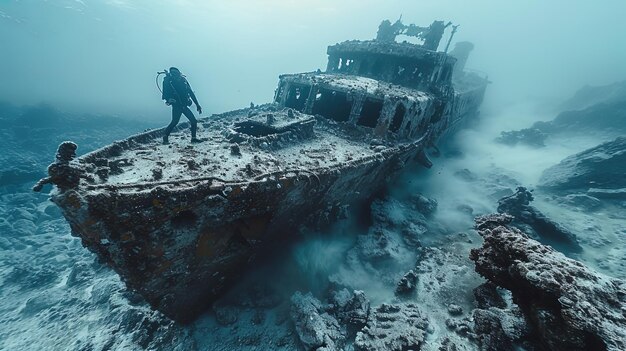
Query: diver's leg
{"points": [[192, 120], [176, 112]]}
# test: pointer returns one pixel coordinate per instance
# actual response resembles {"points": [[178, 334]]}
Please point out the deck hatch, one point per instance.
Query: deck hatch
{"points": [[255, 129]]}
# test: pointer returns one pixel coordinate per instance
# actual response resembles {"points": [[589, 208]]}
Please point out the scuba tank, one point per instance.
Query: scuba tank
{"points": [[167, 74]]}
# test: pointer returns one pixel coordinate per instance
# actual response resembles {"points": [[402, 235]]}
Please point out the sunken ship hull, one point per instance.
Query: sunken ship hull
{"points": [[180, 232], [180, 248]]}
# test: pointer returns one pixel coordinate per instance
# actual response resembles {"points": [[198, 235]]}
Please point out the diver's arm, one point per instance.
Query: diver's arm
{"points": [[194, 99]]}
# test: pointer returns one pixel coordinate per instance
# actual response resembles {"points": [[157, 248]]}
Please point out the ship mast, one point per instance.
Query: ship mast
{"points": [[454, 28]]}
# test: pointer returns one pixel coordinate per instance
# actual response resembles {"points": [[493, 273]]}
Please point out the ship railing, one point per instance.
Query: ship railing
{"points": [[212, 180]]}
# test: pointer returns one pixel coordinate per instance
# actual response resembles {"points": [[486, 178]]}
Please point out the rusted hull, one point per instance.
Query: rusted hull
{"points": [[180, 248]]}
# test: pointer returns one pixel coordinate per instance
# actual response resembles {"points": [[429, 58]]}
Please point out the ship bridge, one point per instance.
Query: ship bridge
{"points": [[404, 64], [396, 89]]}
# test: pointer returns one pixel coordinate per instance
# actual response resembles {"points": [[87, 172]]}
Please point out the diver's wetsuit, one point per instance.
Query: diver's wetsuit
{"points": [[179, 90]]}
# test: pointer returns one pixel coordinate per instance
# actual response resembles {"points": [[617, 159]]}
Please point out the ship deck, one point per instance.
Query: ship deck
{"points": [[151, 161]]}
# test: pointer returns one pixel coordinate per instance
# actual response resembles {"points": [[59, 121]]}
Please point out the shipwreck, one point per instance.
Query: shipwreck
{"points": [[180, 223]]}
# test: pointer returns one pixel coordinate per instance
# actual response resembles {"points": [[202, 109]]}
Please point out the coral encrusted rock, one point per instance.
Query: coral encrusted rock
{"points": [[569, 306]]}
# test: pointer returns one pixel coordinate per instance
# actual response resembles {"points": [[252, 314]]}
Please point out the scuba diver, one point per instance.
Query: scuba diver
{"points": [[178, 94]]}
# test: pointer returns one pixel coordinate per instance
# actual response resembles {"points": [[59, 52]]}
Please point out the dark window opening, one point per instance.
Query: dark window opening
{"points": [[378, 67], [297, 97], [398, 117], [332, 104], [364, 67], [186, 218], [349, 62], [370, 113], [255, 129]]}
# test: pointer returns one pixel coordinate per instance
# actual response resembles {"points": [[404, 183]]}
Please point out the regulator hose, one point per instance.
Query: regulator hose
{"points": [[157, 79]]}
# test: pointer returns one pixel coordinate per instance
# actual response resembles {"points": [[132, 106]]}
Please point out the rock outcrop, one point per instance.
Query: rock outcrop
{"points": [[352, 308], [592, 95], [528, 136], [535, 223], [603, 117], [423, 204], [325, 326], [406, 285], [599, 111], [584, 202], [487, 296], [568, 305], [499, 329], [603, 166], [393, 327], [316, 328], [496, 325]]}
